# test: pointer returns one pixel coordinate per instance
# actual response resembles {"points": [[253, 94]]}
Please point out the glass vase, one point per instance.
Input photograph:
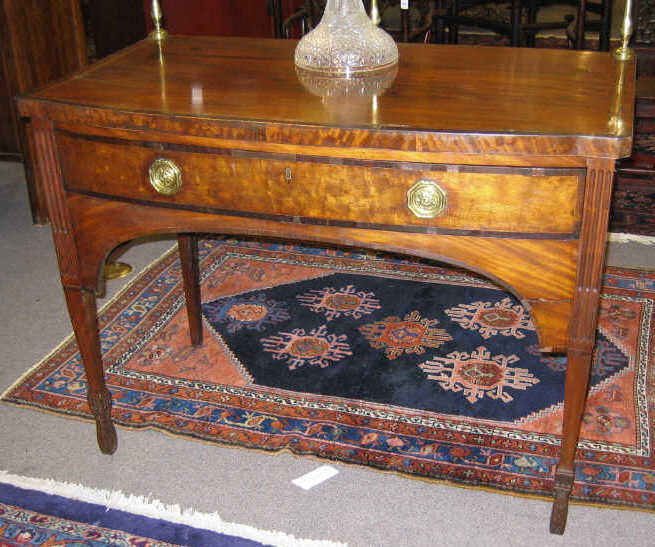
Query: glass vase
{"points": [[346, 42]]}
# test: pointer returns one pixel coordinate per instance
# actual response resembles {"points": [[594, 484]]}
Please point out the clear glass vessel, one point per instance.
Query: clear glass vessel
{"points": [[346, 42], [362, 84]]}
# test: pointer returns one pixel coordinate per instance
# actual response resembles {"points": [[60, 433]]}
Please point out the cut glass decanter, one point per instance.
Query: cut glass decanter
{"points": [[346, 42]]}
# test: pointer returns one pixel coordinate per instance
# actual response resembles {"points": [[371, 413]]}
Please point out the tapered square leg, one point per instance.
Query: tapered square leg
{"points": [[188, 248], [562, 491], [82, 309], [582, 333]]}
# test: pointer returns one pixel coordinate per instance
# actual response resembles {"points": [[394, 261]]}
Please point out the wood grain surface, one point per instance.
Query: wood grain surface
{"points": [[541, 273], [546, 203], [444, 98]]}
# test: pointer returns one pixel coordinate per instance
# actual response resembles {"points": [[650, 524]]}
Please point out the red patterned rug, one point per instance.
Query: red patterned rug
{"points": [[365, 358]]}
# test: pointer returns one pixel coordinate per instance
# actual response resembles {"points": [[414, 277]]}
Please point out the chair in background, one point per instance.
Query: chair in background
{"points": [[414, 24], [595, 16], [274, 9], [515, 20], [408, 25], [304, 19], [519, 20]]}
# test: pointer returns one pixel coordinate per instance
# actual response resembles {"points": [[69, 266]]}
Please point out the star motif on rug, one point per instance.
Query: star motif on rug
{"points": [[478, 374], [604, 421], [490, 319], [408, 335], [345, 301], [253, 312], [299, 348]]}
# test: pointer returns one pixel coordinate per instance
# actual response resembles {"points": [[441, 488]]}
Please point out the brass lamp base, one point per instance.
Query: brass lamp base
{"points": [[116, 270], [159, 34], [623, 53]]}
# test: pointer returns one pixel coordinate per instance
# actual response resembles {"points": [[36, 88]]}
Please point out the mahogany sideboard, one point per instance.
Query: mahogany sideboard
{"points": [[496, 159]]}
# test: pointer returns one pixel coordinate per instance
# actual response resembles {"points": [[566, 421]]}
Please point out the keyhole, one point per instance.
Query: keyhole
{"points": [[288, 174]]}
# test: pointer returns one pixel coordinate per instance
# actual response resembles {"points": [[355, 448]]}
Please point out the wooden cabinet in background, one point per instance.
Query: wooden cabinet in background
{"points": [[40, 41], [249, 18], [113, 24]]}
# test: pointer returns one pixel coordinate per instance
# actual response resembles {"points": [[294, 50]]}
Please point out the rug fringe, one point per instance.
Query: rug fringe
{"points": [[153, 508]]}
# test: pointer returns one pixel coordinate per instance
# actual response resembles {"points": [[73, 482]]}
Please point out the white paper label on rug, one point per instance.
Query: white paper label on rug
{"points": [[315, 477]]}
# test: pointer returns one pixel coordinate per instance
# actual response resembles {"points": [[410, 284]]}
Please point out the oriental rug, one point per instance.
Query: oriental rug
{"points": [[371, 359], [43, 512]]}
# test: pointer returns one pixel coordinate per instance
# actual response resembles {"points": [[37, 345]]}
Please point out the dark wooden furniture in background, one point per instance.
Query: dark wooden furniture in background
{"points": [[640, 168], [518, 20], [644, 40], [221, 136], [40, 41], [643, 164], [632, 208], [113, 24], [248, 18], [301, 20], [644, 20]]}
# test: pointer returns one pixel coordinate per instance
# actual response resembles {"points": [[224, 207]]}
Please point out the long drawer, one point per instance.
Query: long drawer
{"points": [[394, 195]]}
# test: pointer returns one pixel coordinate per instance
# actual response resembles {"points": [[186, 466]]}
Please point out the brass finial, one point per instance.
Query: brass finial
{"points": [[375, 13], [159, 33], [624, 52]]}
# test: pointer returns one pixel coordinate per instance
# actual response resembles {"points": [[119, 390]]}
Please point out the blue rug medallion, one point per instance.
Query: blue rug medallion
{"points": [[443, 347]]}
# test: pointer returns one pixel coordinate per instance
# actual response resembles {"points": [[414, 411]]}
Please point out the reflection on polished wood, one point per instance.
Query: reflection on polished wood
{"points": [[548, 101], [520, 144]]}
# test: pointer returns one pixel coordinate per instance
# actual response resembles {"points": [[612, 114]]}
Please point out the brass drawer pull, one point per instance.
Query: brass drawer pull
{"points": [[426, 199], [165, 176]]}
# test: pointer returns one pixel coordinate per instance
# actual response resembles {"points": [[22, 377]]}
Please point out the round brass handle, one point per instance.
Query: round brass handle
{"points": [[165, 176], [426, 199]]}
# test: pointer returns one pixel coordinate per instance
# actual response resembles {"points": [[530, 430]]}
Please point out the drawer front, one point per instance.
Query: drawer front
{"points": [[398, 196]]}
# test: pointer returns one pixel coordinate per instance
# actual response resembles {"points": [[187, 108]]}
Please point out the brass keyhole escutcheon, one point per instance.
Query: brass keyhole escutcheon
{"points": [[165, 176], [426, 199]]}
